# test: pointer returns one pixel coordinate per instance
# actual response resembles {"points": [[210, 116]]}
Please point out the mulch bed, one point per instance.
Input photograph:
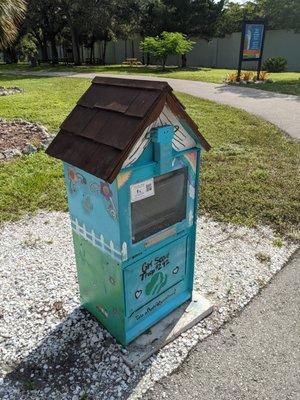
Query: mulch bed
{"points": [[21, 137]]}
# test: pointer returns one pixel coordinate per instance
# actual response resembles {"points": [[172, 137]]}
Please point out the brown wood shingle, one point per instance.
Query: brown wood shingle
{"points": [[108, 119]]}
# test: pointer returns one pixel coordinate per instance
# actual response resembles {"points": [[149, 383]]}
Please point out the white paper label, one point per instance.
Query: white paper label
{"points": [[142, 190]]}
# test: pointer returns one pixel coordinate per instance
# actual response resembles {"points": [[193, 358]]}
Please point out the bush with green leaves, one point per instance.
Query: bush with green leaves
{"points": [[275, 64], [166, 44], [28, 49]]}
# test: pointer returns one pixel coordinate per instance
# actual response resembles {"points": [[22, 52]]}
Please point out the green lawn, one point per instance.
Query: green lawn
{"points": [[285, 82], [249, 176], [46, 100]]}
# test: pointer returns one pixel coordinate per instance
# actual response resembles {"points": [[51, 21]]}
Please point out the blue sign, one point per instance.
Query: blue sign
{"points": [[253, 41]]}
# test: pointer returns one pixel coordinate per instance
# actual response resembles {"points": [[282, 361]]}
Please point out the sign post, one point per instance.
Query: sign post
{"points": [[252, 44]]}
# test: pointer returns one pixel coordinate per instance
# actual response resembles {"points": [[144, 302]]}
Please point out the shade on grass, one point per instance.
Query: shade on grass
{"points": [[249, 177], [283, 82]]}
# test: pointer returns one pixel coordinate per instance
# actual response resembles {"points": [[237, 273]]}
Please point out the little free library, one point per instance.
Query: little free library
{"points": [[131, 158]]}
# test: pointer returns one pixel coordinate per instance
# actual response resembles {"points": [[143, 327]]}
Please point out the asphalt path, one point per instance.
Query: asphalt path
{"points": [[254, 357], [282, 110]]}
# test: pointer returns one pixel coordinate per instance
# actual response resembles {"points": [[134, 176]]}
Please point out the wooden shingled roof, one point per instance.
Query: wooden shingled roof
{"points": [[108, 119]]}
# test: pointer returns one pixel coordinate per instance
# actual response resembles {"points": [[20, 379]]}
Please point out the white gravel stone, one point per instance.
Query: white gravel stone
{"points": [[9, 90], [53, 349]]}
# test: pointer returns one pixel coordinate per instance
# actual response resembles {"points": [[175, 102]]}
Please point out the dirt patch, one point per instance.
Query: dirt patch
{"points": [[21, 137]]}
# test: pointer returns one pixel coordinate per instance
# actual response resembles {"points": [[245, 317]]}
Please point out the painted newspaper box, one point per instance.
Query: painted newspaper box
{"points": [[131, 163]]}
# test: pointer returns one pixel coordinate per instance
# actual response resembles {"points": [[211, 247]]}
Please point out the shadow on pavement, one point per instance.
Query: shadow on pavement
{"points": [[250, 92]]}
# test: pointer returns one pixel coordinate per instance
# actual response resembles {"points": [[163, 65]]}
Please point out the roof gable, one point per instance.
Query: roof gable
{"points": [[183, 138], [110, 117]]}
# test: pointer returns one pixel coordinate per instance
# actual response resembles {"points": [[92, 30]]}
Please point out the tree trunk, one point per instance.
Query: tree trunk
{"points": [[104, 51], [132, 49], [92, 53], [44, 49], [125, 48], [33, 61], [75, 47], [54, 51], [183, 60], [148, 58], [10, 56]]}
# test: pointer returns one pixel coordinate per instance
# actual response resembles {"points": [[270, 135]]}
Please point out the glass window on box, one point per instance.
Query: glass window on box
{"points": [[165, 208]]}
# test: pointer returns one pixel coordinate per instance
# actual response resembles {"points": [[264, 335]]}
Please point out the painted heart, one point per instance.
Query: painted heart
{"points": [[175, 270], [138, 294]]}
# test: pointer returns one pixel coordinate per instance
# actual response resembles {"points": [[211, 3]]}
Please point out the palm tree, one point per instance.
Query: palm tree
{"points": [[11, 14]]}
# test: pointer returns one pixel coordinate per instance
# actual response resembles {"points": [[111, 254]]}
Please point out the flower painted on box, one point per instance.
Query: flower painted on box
{"points": [[74, 179], [72, 175], [105, 190], [122, 178]]}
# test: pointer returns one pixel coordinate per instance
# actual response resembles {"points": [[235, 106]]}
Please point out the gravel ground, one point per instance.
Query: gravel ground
{"points": [[9, 90], [52, 349]]}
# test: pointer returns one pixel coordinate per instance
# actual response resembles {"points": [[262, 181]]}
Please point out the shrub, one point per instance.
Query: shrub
{"points": [[275, 64], [232, 77], [263, 76], [247, 76], [28, 48]]}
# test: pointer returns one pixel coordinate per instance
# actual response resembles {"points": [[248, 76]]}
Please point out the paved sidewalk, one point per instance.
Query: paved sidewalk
{"points": [[254, 357], [281, 109]]}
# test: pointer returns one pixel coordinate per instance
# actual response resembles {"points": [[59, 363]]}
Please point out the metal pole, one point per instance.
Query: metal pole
{"points": [[261, 52], [241, 50]]}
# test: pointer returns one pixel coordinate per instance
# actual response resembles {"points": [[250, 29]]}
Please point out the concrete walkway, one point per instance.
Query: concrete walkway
{"points": [[281, 109], [255, 357]]}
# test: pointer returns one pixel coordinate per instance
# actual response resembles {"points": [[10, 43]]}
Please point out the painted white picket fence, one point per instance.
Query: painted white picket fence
{"points": [[99, 241]]}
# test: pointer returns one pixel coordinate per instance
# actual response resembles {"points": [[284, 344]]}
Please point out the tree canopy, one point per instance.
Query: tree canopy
{"points": [[79, 22], [278, 14], [194, 17], [166, 44], [74, 23]]}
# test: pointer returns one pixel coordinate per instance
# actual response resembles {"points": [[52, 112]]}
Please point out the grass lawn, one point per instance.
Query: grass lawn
{"points": [[249, 177], [285, 82]]}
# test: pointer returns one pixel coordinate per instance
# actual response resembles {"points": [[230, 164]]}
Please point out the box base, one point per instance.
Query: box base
{"points": [[166, 330]]}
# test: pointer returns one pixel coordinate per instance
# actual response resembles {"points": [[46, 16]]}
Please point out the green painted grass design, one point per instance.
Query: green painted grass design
{"points": [[157, 282]]}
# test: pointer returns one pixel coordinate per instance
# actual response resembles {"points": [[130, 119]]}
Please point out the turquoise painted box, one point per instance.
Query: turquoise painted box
{"points": [[133, 220]]}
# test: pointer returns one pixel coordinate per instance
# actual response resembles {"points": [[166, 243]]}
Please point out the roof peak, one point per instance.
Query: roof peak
{"points": [[109, 118], [135, 83]]}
